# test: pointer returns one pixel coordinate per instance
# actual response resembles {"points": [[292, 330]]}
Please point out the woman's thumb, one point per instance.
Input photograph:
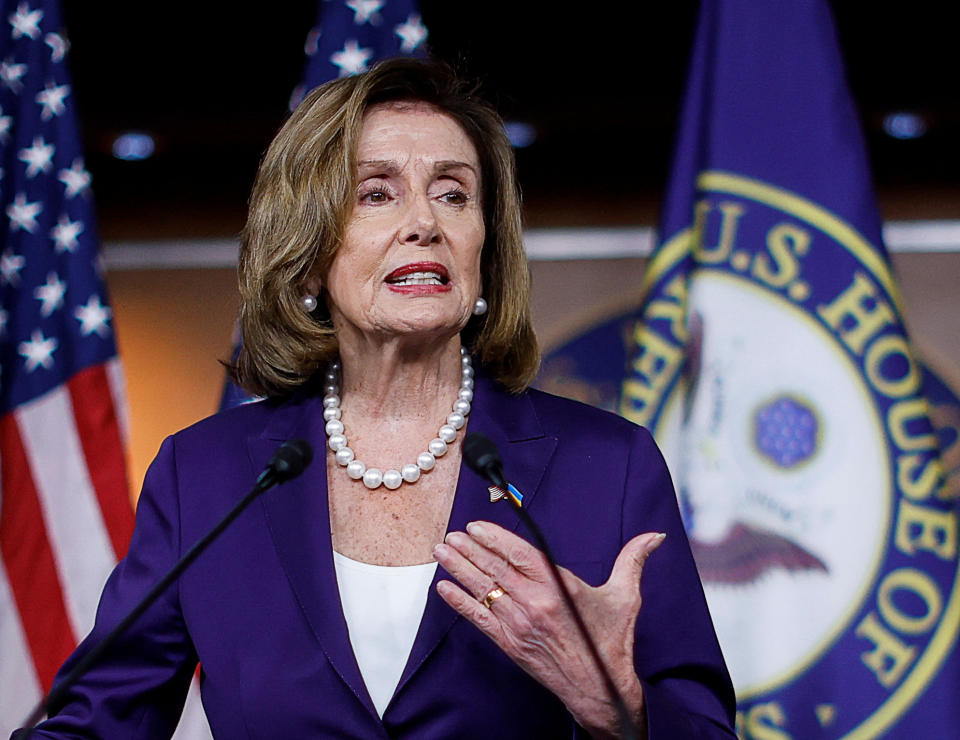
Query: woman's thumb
{"points": [[629, 564]]}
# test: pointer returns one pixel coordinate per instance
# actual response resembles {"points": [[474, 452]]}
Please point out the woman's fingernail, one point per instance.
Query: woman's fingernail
{"points": [[475, 528], [656, 542]]}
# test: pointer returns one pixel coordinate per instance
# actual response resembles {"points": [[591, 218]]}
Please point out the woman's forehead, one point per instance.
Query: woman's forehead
{"points": [[403, 128]]}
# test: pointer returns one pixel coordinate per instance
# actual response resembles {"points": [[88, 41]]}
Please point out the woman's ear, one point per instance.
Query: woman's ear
{"points": [[313, 285]]}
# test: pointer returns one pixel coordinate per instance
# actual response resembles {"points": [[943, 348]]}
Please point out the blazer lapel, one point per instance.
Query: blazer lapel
{"points": [[511, 423], [298, 519]]}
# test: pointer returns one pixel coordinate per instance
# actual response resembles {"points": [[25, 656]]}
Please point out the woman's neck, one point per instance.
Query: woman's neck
{"points": [[385, 380]]}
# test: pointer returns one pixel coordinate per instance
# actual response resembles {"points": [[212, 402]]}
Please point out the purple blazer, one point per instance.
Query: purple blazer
{"points": [[261, 611]]}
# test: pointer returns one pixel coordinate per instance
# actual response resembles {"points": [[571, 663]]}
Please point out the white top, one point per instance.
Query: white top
{"points": [[383, 606]]}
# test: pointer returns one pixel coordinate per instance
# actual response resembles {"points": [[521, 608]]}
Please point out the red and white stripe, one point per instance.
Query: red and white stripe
{"points": [[65, 520]]}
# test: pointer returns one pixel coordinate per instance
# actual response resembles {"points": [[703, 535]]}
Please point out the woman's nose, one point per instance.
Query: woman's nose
{"points": [[420, 225]]}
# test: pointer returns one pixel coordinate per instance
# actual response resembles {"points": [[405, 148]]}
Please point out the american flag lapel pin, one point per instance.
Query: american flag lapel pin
{"points": [[497, 493]]}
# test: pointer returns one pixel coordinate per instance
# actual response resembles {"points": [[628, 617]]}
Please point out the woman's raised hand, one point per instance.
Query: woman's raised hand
{"points": [[509, 593]]}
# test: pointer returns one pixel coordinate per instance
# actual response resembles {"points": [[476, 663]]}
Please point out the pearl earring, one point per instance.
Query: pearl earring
{"points": [[309, 303], [479, 307]]}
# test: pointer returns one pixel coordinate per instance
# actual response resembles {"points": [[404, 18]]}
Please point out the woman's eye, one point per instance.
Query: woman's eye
{"points": [[455, 197], [374, 196]]}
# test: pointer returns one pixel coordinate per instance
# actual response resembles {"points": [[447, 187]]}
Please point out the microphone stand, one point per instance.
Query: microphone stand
{"points": [[490, 467], [281, 468], [626, 723]]}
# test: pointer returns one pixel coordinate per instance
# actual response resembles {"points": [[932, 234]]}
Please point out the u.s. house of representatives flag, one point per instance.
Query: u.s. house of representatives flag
{"points": [[65, 514], [771, 361]]}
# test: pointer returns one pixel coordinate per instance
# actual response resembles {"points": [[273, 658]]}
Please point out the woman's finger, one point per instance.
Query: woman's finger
{"points": [[511, 548], [481, 616], [487, 561], [466, 572], [628, 567]]}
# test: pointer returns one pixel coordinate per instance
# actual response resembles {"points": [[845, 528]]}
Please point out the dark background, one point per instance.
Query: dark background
{"points": [[601, 83]]}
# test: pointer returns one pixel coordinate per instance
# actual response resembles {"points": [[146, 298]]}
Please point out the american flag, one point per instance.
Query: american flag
{"points": [[351, 35], [65, 513], [348, 37]]}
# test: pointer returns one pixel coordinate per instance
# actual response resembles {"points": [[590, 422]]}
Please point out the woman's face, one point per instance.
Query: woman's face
{"points": [[409, 264]]}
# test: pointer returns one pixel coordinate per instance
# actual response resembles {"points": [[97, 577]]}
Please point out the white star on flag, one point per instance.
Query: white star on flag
{"points": [[25, 22], [93, 317], [37, 157], [58, 46], [10, 266], [38, 351], [65, 234], [351, 59], [23, 215], [365, 11], [50, 294], [77, 179], [51, 98], [412, 33], [5, 122], [11, 73]]}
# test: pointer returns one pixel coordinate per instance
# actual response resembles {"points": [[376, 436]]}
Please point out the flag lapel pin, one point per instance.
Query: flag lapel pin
{"points": [[497, 493]]}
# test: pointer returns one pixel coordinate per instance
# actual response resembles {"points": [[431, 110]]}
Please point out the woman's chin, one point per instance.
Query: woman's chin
{"points": [[426, 320], [420, 329]]}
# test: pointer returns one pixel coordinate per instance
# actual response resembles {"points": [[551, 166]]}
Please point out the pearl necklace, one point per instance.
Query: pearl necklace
{"points": [[409, 473]]}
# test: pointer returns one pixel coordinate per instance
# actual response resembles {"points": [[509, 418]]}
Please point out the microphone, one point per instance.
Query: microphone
{"points": [[483, 458], [289, 461]]}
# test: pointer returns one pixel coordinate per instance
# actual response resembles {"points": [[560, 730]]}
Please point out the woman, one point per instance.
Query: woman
{"points": [[382, 252]]}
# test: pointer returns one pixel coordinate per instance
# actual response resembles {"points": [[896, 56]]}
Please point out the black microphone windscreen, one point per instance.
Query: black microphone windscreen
{"points": [[483, 457], [291, 458]]}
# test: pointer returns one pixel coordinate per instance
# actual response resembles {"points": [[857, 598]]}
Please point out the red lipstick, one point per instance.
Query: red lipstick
{"points": [[419, 278]]}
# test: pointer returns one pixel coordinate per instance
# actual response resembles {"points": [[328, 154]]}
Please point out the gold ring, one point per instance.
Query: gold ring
{"points": [[492, 596]]}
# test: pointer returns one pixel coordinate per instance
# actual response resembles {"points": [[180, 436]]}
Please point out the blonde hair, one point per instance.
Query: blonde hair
{"points": [[301, 201]]}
